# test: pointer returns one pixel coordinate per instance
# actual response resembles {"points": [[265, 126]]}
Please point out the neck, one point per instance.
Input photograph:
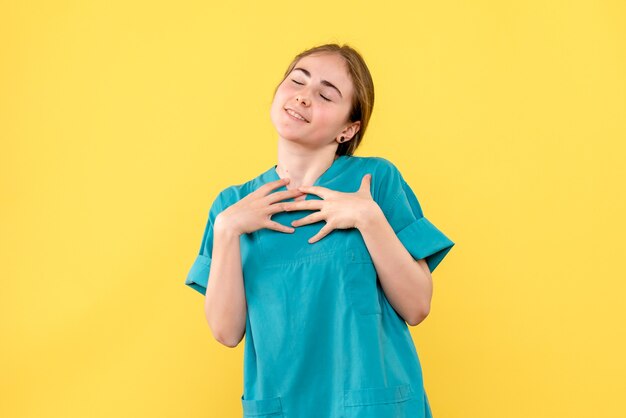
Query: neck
{"points": [[303, 166]]}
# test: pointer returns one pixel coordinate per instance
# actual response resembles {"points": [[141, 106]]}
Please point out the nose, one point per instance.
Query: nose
{"points": [[300, 98]]}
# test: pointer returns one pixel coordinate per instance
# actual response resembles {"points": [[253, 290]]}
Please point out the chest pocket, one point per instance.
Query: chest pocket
{"points": [[363, 289]]}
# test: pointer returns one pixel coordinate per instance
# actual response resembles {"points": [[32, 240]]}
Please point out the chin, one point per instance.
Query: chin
{"points": [[285, 130], [285, 134]]}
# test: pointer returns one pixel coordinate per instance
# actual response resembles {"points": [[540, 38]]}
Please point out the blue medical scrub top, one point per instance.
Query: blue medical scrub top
{"points": [[322, 340]]}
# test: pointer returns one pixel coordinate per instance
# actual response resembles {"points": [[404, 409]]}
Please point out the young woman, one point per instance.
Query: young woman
{"points": [[324, 306]]}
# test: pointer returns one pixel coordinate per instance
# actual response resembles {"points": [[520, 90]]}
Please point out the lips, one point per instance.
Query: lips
{"points": [[305, 119]]}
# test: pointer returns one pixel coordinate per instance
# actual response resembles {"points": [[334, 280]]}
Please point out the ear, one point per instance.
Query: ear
{"points": [[351, 130]]}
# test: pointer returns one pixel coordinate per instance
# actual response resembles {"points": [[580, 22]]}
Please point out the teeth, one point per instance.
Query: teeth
{"points": [[292, 113]]}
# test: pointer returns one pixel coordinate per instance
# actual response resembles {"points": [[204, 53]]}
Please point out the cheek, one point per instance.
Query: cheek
{"points": [[331, 117], [285, 87], [279, 98], [276, 107], [281, 95]]}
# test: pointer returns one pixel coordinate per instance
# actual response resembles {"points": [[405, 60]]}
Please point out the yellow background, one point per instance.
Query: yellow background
{"points": [[121, 121]]}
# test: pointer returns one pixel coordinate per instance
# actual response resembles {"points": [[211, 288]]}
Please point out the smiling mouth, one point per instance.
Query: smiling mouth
{"points": [[296, 115]]}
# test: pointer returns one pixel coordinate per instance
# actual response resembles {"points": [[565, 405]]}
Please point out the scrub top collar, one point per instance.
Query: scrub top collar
{"points": [[332, 171]]}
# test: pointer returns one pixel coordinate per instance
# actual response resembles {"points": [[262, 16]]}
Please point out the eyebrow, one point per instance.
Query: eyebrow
{"points": [[324, 82]]}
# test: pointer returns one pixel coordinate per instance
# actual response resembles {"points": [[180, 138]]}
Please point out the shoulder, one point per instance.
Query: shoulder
{"points": [[233, 193], [228, 196], [387, 181], [379, 167]]}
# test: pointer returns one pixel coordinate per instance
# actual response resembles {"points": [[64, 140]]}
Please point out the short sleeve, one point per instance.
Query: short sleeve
{"points": [[403, 211], [198, 275]]}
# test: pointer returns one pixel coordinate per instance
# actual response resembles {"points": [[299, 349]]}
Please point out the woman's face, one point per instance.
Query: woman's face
{"points": [[320, 90]]}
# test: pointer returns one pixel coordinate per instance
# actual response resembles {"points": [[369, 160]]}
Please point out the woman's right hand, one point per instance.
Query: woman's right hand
{"points": [[254, 211]]}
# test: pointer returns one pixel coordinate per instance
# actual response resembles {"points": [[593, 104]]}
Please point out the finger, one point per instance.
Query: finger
{"points": [[268, 187], [276, 226], [326, 229], [320, 191], [286, 194], [302, 205], [310, 219], [278, 207], [366, 183]]}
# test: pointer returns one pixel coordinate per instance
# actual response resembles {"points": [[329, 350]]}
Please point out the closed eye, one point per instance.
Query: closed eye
{"points": [[328, 100]]}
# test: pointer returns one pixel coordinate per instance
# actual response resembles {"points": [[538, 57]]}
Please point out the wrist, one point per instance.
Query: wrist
{"points": [[223, 226], [368, 214]]}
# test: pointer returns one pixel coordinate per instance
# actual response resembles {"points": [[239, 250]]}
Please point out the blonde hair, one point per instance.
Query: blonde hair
{"points": [[363, 96]]}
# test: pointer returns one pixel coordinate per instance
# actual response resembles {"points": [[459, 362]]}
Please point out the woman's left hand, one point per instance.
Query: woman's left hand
{"points": [[339, 210]]}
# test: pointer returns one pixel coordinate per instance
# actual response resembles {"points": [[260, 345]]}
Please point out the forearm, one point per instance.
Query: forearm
{"points": [[407, 285], [225, 300]]}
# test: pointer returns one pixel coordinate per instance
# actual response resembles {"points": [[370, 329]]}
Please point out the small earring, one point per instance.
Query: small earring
{"points": [[341, 140]]}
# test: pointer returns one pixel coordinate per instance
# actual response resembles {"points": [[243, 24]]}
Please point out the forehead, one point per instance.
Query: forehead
{"points": [[330, 67]]}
